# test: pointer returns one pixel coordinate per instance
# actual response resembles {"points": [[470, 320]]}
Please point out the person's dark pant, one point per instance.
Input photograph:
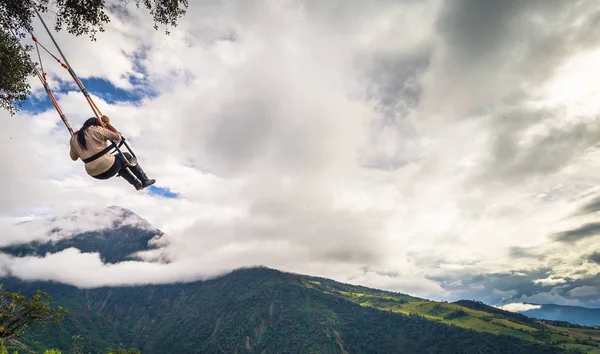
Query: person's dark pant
{"points": [[120, 167]]}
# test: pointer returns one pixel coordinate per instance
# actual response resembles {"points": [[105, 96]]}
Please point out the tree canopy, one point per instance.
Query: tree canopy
{"points": [[18, 314], [78, 17]]}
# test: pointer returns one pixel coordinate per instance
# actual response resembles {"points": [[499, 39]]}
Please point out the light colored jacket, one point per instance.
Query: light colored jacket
{"points": [[96, 139]]}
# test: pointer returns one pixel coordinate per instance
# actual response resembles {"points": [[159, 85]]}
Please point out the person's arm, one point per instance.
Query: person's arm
{"points": [[111, 128], [112, 133], [73, 153]]}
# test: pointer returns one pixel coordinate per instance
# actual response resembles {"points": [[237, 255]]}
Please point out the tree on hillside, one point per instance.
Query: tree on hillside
{"points": [[17, 313], [78, 17], [3, 349], [123, 351], [52, 351]]}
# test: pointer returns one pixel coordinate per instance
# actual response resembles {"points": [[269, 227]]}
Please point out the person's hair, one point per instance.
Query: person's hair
{"points": [[81, 133]]}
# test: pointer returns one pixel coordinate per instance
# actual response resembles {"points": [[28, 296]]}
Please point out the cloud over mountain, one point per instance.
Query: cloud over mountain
{"points": [[439, 148]]}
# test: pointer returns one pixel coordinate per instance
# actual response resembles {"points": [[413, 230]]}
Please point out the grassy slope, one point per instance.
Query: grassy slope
{"points": [[465, 314]]}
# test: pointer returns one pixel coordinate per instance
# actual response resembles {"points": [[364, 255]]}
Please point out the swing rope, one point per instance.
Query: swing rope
{"points": [[67, 66], [47, 51], [41, 76]]}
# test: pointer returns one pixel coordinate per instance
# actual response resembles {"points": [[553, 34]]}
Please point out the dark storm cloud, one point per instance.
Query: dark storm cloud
{"points": [[590, 207], [517, 252], [595, 257], [481, 286], [484, 32], [580, 233], [502, 288], [545, 155], [477, 28], [586, 290]]}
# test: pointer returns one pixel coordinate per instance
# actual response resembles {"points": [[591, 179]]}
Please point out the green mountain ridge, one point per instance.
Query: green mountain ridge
{"points": [[261, 310]]}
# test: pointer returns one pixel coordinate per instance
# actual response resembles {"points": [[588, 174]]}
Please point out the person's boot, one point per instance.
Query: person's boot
{"points": [[148, 182], [129, 177], [139, 173]]}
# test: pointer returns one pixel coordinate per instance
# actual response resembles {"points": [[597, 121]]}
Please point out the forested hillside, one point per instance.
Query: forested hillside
{"points": [[263, 310]]}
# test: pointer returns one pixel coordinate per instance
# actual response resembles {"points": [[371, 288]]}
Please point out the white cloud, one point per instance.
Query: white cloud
{"points": [[332, 136], [519, 307], [549, 281]]}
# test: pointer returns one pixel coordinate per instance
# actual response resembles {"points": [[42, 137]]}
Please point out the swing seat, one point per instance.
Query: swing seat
{"points": [[130, 162]]}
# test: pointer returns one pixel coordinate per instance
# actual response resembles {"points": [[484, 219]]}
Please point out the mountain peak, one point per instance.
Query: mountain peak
{"points": [[114, 232], [116, 216]]}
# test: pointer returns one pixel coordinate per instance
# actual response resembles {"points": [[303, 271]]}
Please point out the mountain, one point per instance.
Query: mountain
{"points": [[574, 314], [262, 310], [120, 234]]}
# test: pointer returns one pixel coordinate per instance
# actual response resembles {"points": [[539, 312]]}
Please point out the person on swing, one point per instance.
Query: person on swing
{"points": [[91, 139]]}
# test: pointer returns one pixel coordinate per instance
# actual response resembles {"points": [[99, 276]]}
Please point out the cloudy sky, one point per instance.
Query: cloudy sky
{"points": [[445, 149]]}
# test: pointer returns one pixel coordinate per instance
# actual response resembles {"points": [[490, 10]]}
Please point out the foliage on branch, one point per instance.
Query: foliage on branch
{"points": [[78, 17], [18, 313]]}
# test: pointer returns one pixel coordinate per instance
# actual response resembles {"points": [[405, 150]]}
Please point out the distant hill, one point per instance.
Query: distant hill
{"points": [[574, 314], [261, 310]]}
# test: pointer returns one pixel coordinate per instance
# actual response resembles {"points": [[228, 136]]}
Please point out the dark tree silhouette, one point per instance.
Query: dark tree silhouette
{"points": [[78, 17]]}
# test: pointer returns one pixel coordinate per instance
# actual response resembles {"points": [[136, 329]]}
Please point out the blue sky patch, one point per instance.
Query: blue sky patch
{"points": [[112, 94], [162, 192], [41, 103], [34, 105], [96, 86]]}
